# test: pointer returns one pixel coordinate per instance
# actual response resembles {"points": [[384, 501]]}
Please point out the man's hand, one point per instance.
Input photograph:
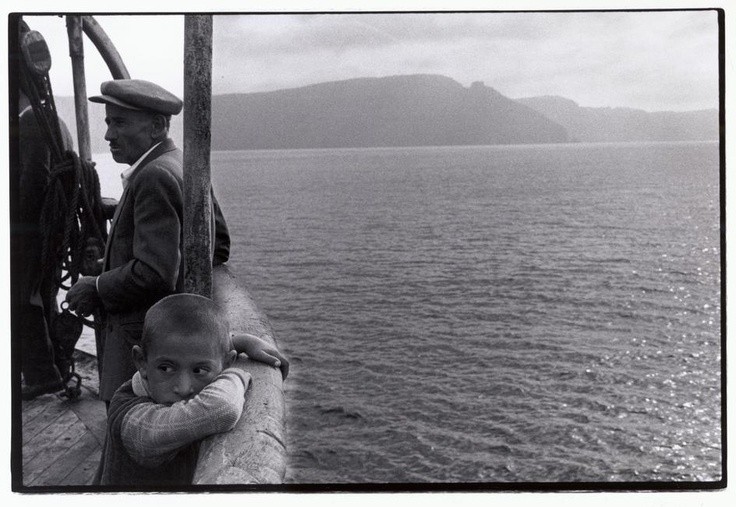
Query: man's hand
{"points": [[260, 350], [83, 297]]}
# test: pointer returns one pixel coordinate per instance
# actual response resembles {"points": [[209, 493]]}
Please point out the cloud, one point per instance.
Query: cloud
{"points": [[152, 48], [595, 56], [651, 60], [285, 34]]}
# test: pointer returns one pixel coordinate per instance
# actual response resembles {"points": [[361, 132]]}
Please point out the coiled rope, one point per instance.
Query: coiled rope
{"points": [[71, 218]]}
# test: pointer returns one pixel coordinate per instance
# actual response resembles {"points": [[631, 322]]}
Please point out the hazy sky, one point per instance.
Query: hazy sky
{"points": [[647, 60]]}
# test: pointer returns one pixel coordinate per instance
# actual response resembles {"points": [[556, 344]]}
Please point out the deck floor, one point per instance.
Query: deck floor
{"points": [[62, 438]]}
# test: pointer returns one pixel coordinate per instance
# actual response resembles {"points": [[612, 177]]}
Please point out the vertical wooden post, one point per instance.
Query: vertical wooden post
{"points": [[197, 118], [255, 451], [76, 53]]}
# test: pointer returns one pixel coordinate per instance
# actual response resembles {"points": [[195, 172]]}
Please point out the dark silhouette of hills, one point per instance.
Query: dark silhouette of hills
{"points": [[415, 110], [607, 124]]}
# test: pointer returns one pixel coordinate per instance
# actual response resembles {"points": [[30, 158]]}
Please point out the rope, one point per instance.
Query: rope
{"points": [[71, 214], [44, 110], [72, 207]]}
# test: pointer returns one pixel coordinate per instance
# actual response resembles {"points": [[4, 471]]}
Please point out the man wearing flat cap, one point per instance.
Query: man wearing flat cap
{"points": [[143, 259]]}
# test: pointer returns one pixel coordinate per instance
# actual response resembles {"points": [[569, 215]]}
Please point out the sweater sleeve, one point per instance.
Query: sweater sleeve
{"points": [[153, 433]]}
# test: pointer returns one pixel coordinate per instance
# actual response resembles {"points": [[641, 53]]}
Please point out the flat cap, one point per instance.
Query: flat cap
{"points": [[138, 95]]}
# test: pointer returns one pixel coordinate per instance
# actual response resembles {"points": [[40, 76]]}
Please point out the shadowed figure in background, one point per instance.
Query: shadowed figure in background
{"points": [[34, 289]]}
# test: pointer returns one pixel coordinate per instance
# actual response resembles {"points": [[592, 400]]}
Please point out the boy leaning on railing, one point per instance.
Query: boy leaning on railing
{"points": [[184, 390]]}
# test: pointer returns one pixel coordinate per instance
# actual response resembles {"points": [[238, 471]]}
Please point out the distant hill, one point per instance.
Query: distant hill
{"points": [[415, 110], [97, 127], [606, 124]]}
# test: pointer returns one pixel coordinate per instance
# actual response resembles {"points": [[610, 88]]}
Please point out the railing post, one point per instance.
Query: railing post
{"points": [[197, 118], [254, 452], [76, 53]]}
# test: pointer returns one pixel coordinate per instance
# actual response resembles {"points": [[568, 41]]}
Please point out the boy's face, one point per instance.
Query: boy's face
{"points": [[178, 366]]}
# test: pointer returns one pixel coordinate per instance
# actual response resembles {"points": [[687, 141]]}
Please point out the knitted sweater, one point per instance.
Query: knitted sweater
{"points": [[150, 444]]}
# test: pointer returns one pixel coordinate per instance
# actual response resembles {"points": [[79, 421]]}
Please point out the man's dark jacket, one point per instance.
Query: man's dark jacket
{"points": [[143, 257]]}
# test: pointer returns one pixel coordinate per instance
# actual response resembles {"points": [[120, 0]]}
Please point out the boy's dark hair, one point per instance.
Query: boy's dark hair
{"points": [[187, 314]]}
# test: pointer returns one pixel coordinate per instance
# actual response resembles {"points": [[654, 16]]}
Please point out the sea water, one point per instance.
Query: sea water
{"points": [[489, 314]]}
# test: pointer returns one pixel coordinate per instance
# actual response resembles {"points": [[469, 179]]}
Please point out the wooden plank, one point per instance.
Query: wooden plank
{"points": [[61, 438], [68, 461], [31, 409], [65, 439], [92, 414], [48, 436], [52, 409], [83, 474]]}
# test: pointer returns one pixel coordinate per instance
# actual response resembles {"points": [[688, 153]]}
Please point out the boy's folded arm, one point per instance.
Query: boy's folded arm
{"points": [[152, 433]]}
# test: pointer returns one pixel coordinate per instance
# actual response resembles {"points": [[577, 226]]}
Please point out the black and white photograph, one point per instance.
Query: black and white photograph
{"points": [[341, 250]]}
